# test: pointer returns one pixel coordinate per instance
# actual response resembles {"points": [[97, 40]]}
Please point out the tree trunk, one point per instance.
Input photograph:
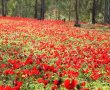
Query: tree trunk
{"points": [[77, 24], [69, 17], [107, 12], [42, 9], [94, 12], [56, 8], [59, 14], [35, 15], [4, 8]]}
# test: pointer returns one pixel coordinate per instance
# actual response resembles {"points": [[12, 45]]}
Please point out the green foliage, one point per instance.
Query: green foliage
{"points": [[56, 9]]}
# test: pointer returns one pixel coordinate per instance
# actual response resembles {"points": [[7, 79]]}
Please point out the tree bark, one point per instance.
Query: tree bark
{"points": [[4, 8], [36, 4], [42, 9], [107, 12], [69, 17], [56, 8], [77, 24], [59, 14], [94, 12]]}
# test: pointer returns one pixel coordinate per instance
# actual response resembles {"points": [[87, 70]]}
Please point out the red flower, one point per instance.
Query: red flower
{"points": [[1, 58], [70, 85], [29, 60], [51, 68], [74, 83], [3, 65], [67, 84], [40, 80], [83, 83], [46, 82], [1, 87], [26, 72], [54, 87], [7, 88], [16, 66], [56, 82], [86, 71], [9, 72], [34, 71], [19, 83]]}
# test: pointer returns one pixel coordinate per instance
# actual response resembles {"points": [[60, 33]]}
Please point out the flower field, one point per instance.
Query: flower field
{"points": [[52, 55]]}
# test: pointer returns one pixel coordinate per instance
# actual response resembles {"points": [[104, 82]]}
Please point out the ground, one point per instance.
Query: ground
{"points": [[53, 54]]}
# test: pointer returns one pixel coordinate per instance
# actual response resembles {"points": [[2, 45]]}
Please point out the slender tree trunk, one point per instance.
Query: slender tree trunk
{"points": [[77, 24], [18, 9], [36, 4], [42, 9], [107, 12], [56, 8], [4, 8], [56, 14], [94, 12], [69, 17], [59, 14]]}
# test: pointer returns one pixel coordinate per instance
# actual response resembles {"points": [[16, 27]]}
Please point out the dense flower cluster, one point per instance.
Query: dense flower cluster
{"points": [[52, 54]]}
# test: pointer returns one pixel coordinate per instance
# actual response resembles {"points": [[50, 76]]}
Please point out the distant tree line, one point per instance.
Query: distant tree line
{"points": [[78, 10]]}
